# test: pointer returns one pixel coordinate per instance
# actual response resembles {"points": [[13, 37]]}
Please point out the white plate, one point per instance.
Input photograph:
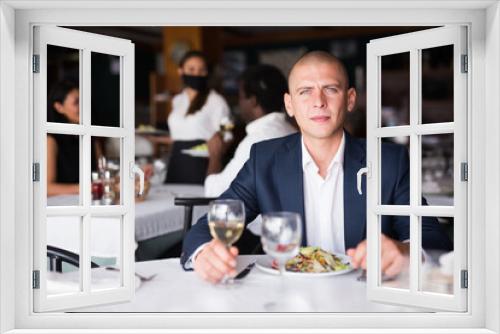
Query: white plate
{"points": [[196, 153], [264, 264], [152, 132]]}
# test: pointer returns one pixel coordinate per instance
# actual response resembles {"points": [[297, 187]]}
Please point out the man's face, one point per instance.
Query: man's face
{"points": [[319, 99]]}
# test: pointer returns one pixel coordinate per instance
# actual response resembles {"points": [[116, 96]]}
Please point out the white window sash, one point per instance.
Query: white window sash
{"points": [[413, 43], [85, 43]]}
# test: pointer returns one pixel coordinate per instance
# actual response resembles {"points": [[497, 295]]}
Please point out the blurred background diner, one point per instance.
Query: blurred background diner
{"points": [[198, 90], [63, 175]]}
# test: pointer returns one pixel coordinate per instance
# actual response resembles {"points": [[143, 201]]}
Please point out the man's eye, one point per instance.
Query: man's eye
{"points": [[331, 90], [304, 92]]}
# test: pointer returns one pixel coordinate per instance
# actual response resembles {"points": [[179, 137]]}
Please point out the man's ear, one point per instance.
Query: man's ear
{"points": [[58, 107], [288, 104], [351, 99], [179, 71]]}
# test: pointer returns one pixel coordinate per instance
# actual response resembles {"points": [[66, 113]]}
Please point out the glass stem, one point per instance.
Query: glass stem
{"points": [[227, 279], [281, 267]]}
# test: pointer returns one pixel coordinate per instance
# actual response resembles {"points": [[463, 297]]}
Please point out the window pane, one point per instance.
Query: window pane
{"points": [[63, 247], [390, 165], [437, 269], [63, 170], [393, 274], [395, 92], [105, 76], [437, 84], [105, 234], [437, 169], [105, 176], [63, 78]]}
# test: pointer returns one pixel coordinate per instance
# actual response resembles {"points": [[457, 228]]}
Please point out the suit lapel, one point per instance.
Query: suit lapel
{"points": [[354, 204], [290, 180], [289, 176]]}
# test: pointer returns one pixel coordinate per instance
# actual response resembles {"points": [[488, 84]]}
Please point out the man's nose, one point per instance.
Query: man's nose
{"points": [[319, 99]]}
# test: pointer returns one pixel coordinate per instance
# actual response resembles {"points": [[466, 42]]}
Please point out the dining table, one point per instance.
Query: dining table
{"points": [[164, 286], [155, 216]]}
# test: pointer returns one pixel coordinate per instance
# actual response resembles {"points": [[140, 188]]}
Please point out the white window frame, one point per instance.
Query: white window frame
{"points": [[414, 43], [16, 20], [85, 43]]}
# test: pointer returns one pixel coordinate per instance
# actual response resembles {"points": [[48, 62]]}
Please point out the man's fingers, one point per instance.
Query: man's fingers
{"points": [[208, 267], [358, 254], [198, 267], [396, 267], [234, 251], [214, 275], [205, 270], [218, 262], [394, 256], [223, 254], [215, 261], [363, 263], [386, 259]]}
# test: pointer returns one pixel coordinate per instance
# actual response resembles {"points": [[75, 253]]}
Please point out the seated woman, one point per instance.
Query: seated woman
{"points": [[63, 151], [197, 113]]}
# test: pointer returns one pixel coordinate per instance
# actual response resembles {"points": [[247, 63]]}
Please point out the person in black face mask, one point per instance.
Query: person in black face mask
{"points": [[197, 114], [196, 82]]}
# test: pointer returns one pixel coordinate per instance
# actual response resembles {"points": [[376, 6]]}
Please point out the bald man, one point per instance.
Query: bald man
{"points": [[313, 173]]}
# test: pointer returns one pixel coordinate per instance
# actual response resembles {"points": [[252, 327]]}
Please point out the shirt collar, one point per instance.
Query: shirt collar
{"points": [[308, 162], [258, 123]]}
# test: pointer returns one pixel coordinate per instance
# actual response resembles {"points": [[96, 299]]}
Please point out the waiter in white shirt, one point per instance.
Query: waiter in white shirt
{"points": [[261, 105]]}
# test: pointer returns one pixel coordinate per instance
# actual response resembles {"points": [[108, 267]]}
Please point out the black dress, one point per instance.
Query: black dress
{"points": [[68, 158], [183, 168]]}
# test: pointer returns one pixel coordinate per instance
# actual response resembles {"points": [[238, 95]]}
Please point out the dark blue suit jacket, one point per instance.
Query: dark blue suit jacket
{"points": [[272, 180]]}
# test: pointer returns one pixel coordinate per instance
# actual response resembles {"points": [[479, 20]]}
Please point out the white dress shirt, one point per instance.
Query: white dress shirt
{"points": [[200, 125], [324, 201], [323, 204], [272, 125]]}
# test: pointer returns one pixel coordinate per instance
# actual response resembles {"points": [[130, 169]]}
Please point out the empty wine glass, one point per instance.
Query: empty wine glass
{"points": [[281, 236], [226, 221]]}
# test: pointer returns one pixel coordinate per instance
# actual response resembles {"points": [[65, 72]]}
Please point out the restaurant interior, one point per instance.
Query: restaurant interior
{"points": [[162, 218]]}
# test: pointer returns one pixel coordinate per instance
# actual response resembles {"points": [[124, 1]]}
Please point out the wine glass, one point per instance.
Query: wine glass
{"points": [[226, 221], [281, 236]]}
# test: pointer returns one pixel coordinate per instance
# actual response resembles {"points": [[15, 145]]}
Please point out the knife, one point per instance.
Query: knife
{"points": [[245, 271]]}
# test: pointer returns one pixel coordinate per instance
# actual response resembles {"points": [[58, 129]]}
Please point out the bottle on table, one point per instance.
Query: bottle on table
{"points": [[97, 189], [108, 196]]}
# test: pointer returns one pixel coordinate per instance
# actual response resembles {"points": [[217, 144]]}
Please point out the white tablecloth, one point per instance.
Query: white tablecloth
{"points": [[156, 216], [175, 290]]}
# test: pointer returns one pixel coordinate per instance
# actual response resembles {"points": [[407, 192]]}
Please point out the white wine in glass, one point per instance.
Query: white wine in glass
{"points": [[226, 221], [227, 232]]}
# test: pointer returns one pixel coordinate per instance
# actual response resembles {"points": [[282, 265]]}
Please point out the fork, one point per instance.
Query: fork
{"points": [[362, 277], [141, 278]]}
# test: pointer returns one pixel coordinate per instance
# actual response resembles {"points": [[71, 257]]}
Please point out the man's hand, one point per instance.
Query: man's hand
{"points": [[394, 258], [215, 261]]}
